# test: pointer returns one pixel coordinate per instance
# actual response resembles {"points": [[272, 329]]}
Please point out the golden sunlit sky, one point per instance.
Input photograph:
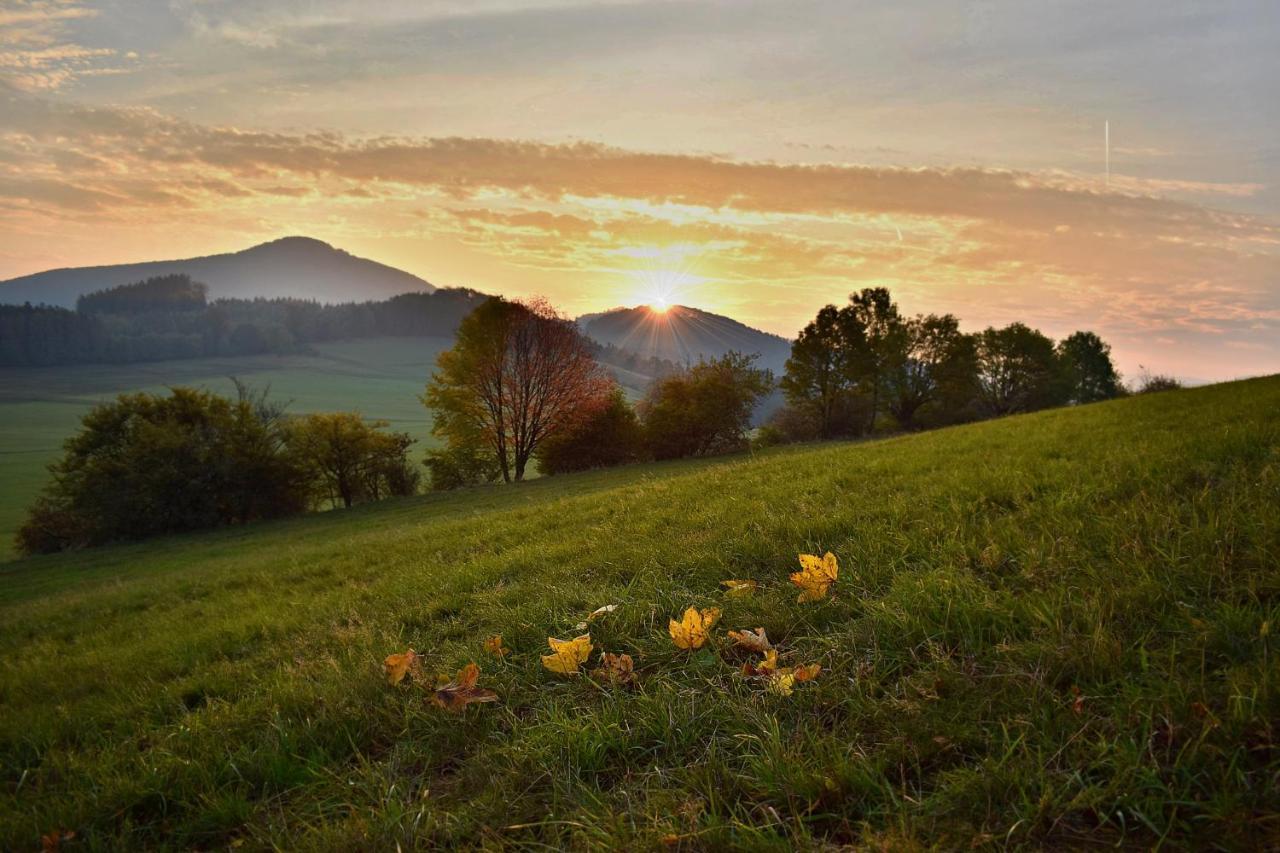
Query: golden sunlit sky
{"points": [[757, 159]]}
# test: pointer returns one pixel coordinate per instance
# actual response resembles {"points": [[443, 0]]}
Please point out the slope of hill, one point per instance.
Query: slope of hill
{"points": [[1049, 631], [293, 266], [41, 407], [683, 334]]}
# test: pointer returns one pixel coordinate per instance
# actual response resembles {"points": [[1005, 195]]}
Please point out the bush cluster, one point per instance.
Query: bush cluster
{"points": [[149, 464]]}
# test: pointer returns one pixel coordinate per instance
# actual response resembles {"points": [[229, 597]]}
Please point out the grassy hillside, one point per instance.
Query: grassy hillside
{"points": [[1049, 630], [41, 407]]}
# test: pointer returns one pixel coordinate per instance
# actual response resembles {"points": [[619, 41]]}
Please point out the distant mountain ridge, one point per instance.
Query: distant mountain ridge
{"points": [[297, 267], [682, 334]]}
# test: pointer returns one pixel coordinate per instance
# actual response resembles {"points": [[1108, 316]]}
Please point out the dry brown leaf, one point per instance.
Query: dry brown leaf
{"points": [[494, 646], [755, 641], [462, 691], [615, 669], [52, 842]]}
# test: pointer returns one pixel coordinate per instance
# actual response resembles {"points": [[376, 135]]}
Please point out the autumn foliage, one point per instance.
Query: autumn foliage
{"points": [[691, 632]]}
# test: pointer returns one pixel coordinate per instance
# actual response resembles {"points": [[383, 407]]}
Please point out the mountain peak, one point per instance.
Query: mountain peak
{"points": [[296, 267], [682, 334], [295, 242]]}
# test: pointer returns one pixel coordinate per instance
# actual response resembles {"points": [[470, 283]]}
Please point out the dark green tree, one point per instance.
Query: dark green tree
{"points": [[1018, 370], [704, 410], [1087, 367], [930, 361], [873, 312], [821, 373], [348, 460]]}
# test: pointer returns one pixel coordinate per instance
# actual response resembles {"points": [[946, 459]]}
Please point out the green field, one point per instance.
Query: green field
{"points": [[41, 407], [1049, 631]]}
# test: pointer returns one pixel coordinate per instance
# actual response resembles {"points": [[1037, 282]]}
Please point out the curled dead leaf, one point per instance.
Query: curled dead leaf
{"points": [[456, 695], [766, 667], [739, 589], [755, 641], [494, 646]]}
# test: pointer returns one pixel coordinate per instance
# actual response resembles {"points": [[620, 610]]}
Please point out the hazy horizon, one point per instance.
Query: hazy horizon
{"points": [[755, 160]]}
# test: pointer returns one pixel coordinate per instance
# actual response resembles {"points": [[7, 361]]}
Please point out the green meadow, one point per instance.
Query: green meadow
{"points": [[41, 407], [1053, 630]]}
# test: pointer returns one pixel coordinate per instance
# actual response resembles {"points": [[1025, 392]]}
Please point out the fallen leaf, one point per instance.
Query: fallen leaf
{"points": [[595, 614], [782, 682], [766, 667], [567, 655], [615, 669], [52, 842], [1077, 703], [462, 691], [494, 646], [816, 576], [755, 641], [739, 589], [807, 672], [398, 666], [694, 628]]}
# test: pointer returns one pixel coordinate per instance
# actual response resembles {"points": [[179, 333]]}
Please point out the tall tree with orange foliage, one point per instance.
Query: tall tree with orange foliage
{"points": [[518, 373]]}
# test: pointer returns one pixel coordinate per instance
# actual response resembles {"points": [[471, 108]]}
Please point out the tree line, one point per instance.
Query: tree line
{"points": [[520, 383], [170, 317], [523, 388], [864, 367]]}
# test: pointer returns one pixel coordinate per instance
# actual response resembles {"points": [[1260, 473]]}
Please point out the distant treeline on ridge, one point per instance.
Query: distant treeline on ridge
{"points": [[170, 317]]}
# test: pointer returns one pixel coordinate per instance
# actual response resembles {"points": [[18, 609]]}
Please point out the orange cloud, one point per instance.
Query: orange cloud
{"points": [[769, 242]]}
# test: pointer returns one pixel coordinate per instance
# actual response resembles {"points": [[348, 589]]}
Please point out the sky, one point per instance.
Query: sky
{"points": [[757, 158]]}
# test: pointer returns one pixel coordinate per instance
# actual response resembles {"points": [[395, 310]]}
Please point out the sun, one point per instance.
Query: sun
{"points": [[661, 277]]}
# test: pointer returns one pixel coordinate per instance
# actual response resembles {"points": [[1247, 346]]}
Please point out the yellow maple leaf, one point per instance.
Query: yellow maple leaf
{"points": [[567, 655], [494, 646], [781, 682], [462, 691], [398, 666], [693, 629], [755, 641], [739, 589], [615, 669], [816, 576]]}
